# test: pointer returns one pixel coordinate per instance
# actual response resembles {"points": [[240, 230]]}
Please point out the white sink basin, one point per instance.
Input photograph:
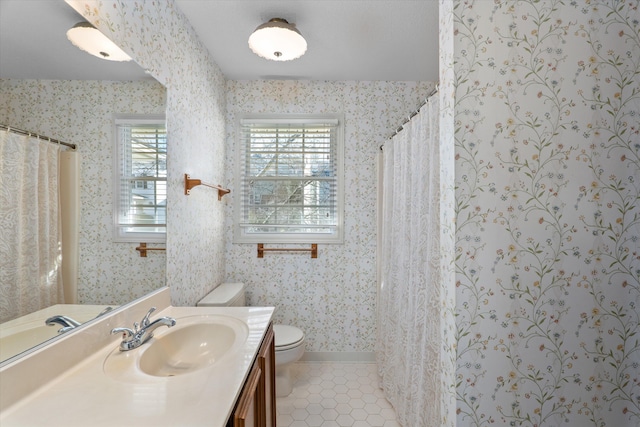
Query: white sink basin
{"points": [[194, 343]]}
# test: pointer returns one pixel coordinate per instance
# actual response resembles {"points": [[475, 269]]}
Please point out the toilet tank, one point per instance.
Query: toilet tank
{"points": [[225, 295]]}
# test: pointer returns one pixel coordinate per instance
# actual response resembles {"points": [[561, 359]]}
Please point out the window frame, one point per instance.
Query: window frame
{"points": [[239, 234], [119, 234]]}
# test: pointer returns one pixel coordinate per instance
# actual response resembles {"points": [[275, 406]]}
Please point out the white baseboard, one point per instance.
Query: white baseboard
{"points": [[339, 356]]}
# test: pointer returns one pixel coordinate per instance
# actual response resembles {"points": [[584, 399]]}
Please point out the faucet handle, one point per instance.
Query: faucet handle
{"points": [[126, 332], [145, 320], [105, 311]]}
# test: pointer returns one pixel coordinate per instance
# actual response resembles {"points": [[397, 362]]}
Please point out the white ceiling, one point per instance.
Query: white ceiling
{"points": [[347, 40], [34, 45]]}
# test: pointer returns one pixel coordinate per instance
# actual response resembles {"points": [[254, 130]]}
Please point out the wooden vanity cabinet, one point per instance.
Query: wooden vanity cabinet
{"points": [[267, 363], [248, 409], [256, 406]]}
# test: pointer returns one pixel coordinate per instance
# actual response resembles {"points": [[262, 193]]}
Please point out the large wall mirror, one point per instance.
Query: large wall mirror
{"points": [[50, 87]]}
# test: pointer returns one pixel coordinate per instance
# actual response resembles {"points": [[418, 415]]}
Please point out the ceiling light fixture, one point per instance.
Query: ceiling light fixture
{"points": [[88, 38], [278, 40]]}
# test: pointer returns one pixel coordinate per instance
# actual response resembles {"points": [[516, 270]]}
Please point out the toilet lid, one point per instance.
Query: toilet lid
{"points": [[223, 296], [287, 336]]}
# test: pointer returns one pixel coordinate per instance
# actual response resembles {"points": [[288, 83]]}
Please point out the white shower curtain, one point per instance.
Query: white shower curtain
{"points": [[409, 313], [30, 249]]}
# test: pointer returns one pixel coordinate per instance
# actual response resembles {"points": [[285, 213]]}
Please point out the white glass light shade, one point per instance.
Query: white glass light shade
{"points": [[278, 40], [88, 38]]}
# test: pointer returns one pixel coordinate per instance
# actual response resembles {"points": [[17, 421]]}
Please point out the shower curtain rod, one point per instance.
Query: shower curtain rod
{"points": [[413, 113], [35, 135]]}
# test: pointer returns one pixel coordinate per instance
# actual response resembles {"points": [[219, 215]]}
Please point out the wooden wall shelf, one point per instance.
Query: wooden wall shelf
{"points": [[189, 183]]}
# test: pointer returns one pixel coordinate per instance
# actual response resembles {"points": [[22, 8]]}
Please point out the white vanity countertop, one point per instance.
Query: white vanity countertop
{"points": [[86, 396]]}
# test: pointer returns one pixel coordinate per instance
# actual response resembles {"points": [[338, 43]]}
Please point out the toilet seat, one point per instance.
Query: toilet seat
{"points": [[287, 337]]}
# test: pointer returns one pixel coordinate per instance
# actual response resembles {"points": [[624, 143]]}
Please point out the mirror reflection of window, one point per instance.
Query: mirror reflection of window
{"points": [[140, 208]]}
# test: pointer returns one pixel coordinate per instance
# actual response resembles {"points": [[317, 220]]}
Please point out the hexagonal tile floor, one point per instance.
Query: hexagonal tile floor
{"points": [[335, 394]]}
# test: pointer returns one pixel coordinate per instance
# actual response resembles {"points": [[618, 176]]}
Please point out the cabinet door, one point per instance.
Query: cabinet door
{"points": [[267, 363], [247, 413]]}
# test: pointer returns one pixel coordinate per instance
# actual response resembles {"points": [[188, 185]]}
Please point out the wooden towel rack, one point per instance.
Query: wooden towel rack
{"points": [[190, 183], [313, 249], [143, 249]]}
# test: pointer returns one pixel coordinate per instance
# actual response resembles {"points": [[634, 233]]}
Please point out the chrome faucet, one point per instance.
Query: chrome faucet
{"points": [[141, 332], [67, 323]]}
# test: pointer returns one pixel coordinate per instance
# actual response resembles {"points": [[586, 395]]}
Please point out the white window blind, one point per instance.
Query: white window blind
{"points": [[290, 181], [141, 187]]}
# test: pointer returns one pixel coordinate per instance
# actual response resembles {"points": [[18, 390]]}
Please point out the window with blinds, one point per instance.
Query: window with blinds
{"points": [[290, 180], [140, 208]]}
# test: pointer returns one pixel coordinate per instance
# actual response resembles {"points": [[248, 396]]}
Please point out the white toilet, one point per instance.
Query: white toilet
{"points": [[289, 340]]}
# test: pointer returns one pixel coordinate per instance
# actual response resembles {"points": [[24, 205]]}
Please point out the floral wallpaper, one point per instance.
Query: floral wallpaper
{"points": [[81, 112], [159, 37], [547, 157], [331, 298]]}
